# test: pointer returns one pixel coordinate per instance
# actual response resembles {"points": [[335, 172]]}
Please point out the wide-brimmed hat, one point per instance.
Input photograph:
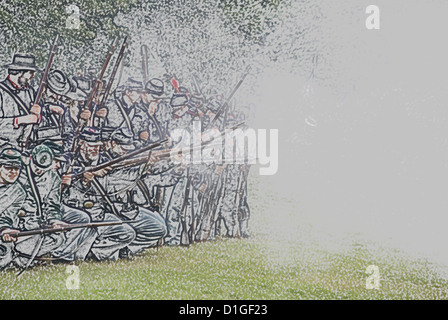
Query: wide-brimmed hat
{"points": [[11, 157], [23, 62], [58, 82]]}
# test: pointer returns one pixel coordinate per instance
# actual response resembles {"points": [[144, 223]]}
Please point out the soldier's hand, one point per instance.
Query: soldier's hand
{"points": [[66, 179], [219, 169], [87, 177], [101, 113], [202, 188], [85, 114], [144, 135], [57, 109], [59, 224], [102, 172], [35, 109], [8, 235]]}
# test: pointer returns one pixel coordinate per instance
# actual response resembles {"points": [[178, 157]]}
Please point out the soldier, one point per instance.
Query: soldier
{"points": [[42, 206], [122, 109], [17, 107], [77, 242], [54, 112], [89, 194], [158, 114], [178, 216], [12, 197], [129, 186]]}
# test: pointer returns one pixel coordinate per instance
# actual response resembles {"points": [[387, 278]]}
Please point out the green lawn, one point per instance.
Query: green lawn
{"points": [[298, 263]]}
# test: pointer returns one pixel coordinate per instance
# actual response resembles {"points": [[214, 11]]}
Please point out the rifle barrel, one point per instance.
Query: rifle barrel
{"points": [[69, 227]]}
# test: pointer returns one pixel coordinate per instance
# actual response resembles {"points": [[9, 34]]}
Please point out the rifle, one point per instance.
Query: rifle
{"points": [[165, 153], [119, 159], [99, 80], [226, 105], [111, 80], [68, 228], [24, 139], [144, 53], [184, 237], [7, 248], [92, 95]]}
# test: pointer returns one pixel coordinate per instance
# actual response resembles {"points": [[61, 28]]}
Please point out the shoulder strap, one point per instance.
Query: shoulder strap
{"points": [[16, 98], [34, 191], [123, 112]]}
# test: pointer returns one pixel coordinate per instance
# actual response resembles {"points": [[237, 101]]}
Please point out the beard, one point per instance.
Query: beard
{"points": [[23, 82]]}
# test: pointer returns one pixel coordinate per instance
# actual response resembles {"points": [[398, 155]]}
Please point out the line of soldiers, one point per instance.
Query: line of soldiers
{"points": [[160, 200]]}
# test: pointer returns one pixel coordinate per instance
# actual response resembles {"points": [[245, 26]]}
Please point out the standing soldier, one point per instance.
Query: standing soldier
{"points": [[17, 98], [178, 216]]}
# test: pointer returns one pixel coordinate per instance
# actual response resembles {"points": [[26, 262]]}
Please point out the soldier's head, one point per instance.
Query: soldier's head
{"points": [[41, 159], [178, 100], [58, 153], [10, 166], [21, 70], [90, 143], [132, 90], [154, 87], [58, 85], [122, 141], [212, 108]]}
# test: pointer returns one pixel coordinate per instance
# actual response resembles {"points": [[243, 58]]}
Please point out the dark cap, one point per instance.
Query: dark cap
{"points": [[106, 132], [178, 100], [91, 135], [124, 137], [10, 157], [48, 133], [213, 105], [57, 149], [155, 87], [42, 156], [131, 84]]}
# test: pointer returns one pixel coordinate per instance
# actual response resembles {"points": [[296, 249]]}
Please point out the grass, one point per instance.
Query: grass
{"points": [[280, 261]]}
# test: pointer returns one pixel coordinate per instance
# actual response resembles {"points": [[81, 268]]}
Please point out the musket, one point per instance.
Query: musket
{"points": [[119, 159], [143, 51], [43, 83], [111, 78], [184, 237], [92, 95], [100, 79], [226, 105], [67, 228]]}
